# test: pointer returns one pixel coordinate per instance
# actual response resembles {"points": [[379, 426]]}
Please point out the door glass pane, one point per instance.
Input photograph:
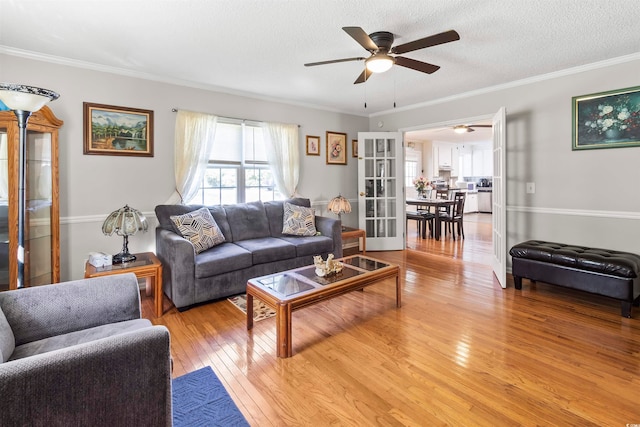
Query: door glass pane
{"points": [[381, 231], [370, 210], [368, 147], [381, 208]]}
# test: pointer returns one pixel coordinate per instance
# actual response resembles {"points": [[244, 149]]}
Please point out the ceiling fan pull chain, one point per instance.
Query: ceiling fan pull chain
{"points": [[365, 90]]}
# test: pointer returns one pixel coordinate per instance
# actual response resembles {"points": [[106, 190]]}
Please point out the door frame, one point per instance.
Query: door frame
{"points": [[451, 123]]}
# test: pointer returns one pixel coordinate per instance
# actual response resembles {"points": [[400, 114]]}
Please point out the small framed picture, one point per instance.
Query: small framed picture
{"points": [[336, 148], [313, 145], [354, 148], [117, 131]]}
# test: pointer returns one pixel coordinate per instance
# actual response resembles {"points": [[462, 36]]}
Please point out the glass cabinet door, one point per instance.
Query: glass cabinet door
{"points": [[38, 231], [41, 216], [4, 211]]}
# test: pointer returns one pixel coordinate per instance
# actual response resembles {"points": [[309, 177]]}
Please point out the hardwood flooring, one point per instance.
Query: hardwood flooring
{"points": [[461, 350]]}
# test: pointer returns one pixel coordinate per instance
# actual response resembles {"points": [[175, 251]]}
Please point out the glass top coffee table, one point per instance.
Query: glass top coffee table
{"points": [[291, 290]]}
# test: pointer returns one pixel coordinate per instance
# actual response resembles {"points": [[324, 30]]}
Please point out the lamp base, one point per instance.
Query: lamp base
{"points": [[123, 257]]}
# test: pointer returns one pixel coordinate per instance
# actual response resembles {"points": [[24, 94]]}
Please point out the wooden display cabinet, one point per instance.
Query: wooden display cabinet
{"points": [[42, 216]]}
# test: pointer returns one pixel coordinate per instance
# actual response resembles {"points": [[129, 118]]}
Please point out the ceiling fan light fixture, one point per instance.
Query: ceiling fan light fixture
{"points": [[461, 129], [379, 63]]}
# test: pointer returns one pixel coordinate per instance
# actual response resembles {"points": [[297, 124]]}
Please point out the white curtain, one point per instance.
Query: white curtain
{"points": [[283, 154], [193, 144]]}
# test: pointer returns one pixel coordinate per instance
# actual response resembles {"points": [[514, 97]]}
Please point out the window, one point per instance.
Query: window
{"points": [[238, 170], [410, 172]]}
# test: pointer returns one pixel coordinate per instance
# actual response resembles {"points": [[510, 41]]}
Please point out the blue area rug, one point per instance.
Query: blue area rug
{"points": [[200, 399]]}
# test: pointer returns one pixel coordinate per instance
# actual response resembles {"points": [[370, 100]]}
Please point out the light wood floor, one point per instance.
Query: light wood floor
{"points": [[461, 350]]}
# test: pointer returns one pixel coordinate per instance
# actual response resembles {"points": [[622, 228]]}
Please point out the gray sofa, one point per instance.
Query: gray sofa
{"points": [[78, 354], [254, 246]]}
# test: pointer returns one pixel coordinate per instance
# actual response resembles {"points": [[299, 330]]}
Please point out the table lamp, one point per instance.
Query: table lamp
{"points": [[124, 222], [339, 205], [23, 100]]}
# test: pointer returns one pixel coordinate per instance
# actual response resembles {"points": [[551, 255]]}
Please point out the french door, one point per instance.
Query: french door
{"points": [[499, 232], [381, 189]]}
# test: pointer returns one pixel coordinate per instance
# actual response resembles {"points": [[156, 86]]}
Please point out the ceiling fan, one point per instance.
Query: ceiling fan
{"points": [[468, 128], [384, 55]]}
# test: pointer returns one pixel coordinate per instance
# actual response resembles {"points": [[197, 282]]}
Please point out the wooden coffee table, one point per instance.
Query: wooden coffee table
{"points": [[291, 290]]}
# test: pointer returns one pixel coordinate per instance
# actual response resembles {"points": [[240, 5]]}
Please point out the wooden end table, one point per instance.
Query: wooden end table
{"points": [[355, 233], [146, 266]]}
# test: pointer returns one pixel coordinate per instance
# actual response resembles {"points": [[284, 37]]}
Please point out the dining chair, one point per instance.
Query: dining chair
{"points": [[423, 219], [455, 217]]}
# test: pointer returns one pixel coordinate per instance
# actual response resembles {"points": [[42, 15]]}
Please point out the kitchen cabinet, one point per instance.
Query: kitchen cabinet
{"points": [[466, 162], [477, 162], [471, 203], [42, 217], [444, 157]]}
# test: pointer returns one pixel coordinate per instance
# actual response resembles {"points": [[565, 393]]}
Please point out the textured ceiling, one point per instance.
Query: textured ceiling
{"points": [[258, 47]]}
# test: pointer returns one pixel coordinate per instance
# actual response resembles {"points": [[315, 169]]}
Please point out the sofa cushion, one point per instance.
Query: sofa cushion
{"points": [[58, 342], [247, 221], [268, 249], [165, 212], [306, 246], [298, 220], [7, 340], [275, 213], [222, 259], [199, 228]]}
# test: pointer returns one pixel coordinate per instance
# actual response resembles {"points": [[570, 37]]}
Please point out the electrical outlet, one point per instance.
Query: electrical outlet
{"points": [[531, 187]]}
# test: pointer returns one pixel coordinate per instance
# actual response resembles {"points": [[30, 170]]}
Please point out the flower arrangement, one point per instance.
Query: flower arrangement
{"points": [[421, 184], [617, 114]]}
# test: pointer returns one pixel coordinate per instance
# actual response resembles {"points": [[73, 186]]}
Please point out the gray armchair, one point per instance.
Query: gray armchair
{"points": [[79, 353]]}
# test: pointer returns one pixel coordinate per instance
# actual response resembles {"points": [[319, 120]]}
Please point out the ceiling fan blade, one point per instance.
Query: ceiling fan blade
{"points": [[333, 61], [436, 39], [480, 126], [363, 76], [359, 35], [416, 65]]}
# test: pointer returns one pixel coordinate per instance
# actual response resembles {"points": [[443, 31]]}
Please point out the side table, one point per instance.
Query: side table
{"points": [[146, 266], [355, 233]]}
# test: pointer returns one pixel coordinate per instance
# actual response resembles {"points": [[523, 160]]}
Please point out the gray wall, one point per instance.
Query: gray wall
{"points": [[93, 186], [582, 197]]}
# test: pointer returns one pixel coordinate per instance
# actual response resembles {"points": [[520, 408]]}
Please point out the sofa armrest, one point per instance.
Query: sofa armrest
{"points": [[45, 311], [331, 228], [120, 380], [178, 257]]}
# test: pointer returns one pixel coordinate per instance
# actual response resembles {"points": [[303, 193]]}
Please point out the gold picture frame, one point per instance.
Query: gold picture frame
{"points": [[336, 148], [313, 145], [117, 131], [606, 119]]}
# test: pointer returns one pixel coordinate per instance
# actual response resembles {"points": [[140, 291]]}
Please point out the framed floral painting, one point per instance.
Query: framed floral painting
{"points": [[606, 119], [336, 148], [313, 145]]}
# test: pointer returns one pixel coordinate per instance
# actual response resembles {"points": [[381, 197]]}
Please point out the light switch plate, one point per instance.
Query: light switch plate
{"points": [[531, 187]]}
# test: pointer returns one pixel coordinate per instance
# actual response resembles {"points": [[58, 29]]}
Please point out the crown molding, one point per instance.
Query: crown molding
{"points": [[36, 56], [516, 83]]}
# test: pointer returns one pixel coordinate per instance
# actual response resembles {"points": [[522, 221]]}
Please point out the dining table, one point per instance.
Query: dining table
{"points": [[437, 204]]}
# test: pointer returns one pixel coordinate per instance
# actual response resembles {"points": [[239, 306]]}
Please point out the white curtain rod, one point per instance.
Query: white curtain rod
{"points": [[175, 110]]}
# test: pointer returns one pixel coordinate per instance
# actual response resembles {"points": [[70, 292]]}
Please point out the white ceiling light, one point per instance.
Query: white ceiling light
{"points": [[379, 63], [461, 129]]}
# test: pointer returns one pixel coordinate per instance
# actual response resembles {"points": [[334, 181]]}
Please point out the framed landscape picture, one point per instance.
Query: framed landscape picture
{"points": [[117, 131], [313, 145], [336, 148], [606, 119]]}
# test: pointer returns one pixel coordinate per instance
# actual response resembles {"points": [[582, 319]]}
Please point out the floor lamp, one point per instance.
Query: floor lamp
{"points": [[23, 100]]}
